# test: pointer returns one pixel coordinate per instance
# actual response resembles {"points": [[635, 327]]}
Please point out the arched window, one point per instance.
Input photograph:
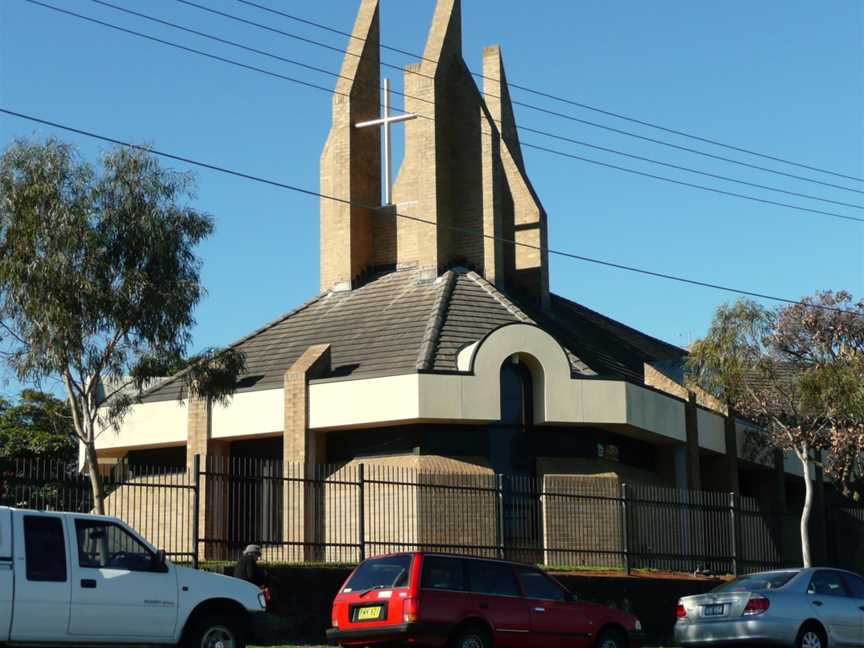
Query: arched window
{"points": [[510, 448]]}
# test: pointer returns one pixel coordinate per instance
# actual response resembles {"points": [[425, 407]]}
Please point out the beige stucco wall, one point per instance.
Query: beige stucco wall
{"points": [[249, 413], [475, 397], [150, 424], [711, 431], [472, 397]]}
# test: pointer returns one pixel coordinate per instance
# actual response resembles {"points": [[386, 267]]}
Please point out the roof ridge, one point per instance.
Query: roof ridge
{"points": [[245, 338], [600, 315], [435, 322], [498, 296]]}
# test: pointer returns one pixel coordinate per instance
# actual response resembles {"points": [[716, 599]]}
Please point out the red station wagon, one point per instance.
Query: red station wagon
{"points": [[427, 599]]}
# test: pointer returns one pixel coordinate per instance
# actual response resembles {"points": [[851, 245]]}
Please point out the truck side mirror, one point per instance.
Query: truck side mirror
{"points": [[159, 562]]}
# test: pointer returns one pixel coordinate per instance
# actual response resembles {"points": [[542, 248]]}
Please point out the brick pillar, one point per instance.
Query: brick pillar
{"points": [[731, 430], [694, 467], [304, 451], [213, 498]]}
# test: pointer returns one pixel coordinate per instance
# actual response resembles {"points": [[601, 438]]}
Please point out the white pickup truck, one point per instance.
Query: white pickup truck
{"points": [[70, 579]]}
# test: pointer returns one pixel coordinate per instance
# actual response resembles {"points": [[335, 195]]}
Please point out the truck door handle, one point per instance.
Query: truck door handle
{"points": [[88, 583], [817, 603], [539, 609]]}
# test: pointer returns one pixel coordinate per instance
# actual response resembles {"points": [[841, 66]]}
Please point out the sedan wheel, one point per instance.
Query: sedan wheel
{"points": [[810, 639], [609, 639]]}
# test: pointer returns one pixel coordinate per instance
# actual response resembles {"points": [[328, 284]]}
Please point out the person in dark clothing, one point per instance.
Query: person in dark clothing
{"points": [[247, 567]]}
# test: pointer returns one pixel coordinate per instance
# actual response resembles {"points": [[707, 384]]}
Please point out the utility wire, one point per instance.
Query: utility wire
{"points": [[522, 104], [571, 102], [417, 219], [526, 129], [524, 144]]}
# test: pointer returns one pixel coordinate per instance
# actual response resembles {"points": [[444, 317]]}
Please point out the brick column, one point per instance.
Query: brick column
{"points": [[731, 431], [694, 466], [213, 498], [303, 450]]}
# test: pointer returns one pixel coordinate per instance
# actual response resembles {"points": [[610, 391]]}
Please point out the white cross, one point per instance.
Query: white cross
{"points": [[386, 122]]}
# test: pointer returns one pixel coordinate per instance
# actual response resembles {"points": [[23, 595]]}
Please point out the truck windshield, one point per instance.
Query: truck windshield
{"points": [[756, 582], [380, 573]]}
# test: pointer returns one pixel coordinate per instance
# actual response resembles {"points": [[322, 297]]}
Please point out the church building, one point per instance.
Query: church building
{"points": [[435, 342]]}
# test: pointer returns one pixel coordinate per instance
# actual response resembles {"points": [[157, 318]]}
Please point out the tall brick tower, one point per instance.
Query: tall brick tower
{"points": [[463, 170]]}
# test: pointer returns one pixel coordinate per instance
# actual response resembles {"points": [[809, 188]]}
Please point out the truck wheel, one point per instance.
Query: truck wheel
{"points": [[216, 631]]}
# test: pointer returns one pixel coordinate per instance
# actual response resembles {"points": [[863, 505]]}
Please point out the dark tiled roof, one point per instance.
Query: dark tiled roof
{"points": [[477, 308], [377, 328], [399, 322]]}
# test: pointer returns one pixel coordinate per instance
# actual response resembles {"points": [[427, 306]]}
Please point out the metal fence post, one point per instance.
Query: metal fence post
{"points": [[625, 534], [361, 510], [734, 522], [499, 483], [196, 506]]}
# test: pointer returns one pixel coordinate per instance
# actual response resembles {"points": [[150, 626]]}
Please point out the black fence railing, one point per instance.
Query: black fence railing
{"points": [[345, 513], [348, 512], [158, 501]]}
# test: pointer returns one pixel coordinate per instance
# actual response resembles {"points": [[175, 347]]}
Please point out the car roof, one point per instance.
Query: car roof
{"points": [[90, 516], [445, 554]]}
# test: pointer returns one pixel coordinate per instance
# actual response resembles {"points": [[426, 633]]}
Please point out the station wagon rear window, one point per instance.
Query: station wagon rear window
{"points": [[380, 573], [756, 582]]}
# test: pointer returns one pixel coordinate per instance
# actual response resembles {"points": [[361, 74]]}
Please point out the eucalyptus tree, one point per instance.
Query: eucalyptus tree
{"points": [[99, 281], [798, 372]]}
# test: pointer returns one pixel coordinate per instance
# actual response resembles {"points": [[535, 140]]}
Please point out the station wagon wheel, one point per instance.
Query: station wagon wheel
{"points": [[471, 637], [611, 639], [811, 638]]}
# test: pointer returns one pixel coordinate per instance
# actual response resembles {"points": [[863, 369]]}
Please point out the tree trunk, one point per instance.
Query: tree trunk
{"points": [[95, 479], [806, 556]]}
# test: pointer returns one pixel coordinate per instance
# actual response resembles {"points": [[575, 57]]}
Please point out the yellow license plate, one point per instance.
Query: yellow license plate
{"points": [[369, 613]]}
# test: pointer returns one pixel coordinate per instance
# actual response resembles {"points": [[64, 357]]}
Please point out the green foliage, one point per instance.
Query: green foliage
{"points": [[96, 268], [798, 371], [38, 427], [99, 279], [734, 347]]}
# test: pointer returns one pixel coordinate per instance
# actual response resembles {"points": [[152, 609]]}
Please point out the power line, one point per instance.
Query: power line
{"points": [[344, 201], [526, 129], [520, 103], [571, 102], [524, 144]]}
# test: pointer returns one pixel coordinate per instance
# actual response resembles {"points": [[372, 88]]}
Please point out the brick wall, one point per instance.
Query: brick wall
{"points": [[581, 532], [157, 508]]}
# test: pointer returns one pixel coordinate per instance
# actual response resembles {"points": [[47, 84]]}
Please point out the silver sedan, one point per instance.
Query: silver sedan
{"points": [[806, 608]]}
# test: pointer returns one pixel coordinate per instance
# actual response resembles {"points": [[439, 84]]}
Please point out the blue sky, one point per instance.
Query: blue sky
{"points": [[785, 77]]}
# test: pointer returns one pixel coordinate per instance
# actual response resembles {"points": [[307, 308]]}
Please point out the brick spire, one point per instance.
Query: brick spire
{"points": [[463, 170], [351, 161]]}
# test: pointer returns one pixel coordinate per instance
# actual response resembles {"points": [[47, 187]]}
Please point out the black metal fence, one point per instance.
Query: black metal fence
{"points": [[346, 513], [159, 501]]}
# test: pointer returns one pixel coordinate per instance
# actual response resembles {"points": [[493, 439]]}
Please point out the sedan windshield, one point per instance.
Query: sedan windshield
{"points": [[380, 573], [756, 582]]}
